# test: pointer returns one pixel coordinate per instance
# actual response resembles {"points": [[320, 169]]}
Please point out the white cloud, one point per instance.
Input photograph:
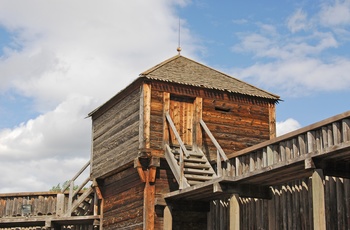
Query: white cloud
{"points": [[298, 64], [287, 126], [297, 21], [335, 13], [71, 56], [46, 150], [300, 77]]}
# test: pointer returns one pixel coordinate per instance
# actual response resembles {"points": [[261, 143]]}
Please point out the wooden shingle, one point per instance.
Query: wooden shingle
{"points": [[182, 70]]}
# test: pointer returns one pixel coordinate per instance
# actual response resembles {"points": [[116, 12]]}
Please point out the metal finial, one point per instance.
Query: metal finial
{"points": [[179, 41], [178, 49]]}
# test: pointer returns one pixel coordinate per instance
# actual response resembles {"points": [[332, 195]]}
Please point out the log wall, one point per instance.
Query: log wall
{"points": [[123, 200], [290, 207], [236, 121], [116, 135]]}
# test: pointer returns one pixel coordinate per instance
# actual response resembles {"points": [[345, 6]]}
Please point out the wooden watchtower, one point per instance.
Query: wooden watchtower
{"points": [[170, 130], [187, 147]]}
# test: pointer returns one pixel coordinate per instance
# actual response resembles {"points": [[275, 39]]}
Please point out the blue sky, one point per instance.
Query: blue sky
{"points": [[59, 60]]}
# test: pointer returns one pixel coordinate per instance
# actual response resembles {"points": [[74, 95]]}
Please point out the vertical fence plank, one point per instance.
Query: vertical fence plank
{"points": [[346, 129], [336, 133], [318, 200]]}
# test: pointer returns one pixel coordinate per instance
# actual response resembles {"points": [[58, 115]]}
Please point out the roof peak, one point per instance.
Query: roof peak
{"points": [[182, 70]]}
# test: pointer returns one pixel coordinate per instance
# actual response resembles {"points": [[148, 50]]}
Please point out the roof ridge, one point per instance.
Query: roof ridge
{"points": [[149, 71], [160, 65]]}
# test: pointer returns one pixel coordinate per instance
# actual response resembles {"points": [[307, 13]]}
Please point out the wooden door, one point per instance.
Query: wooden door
{"points": [[181, 112]]}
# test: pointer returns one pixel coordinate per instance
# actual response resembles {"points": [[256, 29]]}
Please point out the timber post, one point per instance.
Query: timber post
{"points": [[318, 200], [168, 218], [234, 221], [147, 170]]}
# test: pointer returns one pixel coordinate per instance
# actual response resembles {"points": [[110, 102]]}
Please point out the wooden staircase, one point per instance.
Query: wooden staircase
{"points": [[195, 167], [188, 163]]}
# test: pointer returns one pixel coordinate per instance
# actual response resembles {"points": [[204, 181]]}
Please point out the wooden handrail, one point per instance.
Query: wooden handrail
{"points": [[177, 135], [72, 192], [212, 138], [177, 170], [76, 176]]}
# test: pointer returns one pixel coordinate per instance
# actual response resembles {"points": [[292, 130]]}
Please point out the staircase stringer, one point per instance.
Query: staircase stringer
{"points": [[175, 168]]}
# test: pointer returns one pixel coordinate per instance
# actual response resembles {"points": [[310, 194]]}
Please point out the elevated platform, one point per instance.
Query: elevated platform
{"points": [[249, 173]]}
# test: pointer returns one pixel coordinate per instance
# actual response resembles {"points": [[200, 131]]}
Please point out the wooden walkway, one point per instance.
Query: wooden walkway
{"points": [[68, 208], [324, 145], [321, 147]]}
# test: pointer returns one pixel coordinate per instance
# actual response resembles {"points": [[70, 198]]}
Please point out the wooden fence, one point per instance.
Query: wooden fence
{"points": [[290, 207], [28, 204]]}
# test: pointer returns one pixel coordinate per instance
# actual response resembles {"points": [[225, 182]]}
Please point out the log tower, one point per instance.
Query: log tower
{"points": [[169, 130]]}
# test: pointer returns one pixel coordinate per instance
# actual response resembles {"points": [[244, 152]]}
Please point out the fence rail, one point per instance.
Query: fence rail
{"points": [[313, 145]]}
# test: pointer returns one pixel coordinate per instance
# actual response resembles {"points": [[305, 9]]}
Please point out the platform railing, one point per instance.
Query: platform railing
{"points": [[220, 154], [327, 136]]}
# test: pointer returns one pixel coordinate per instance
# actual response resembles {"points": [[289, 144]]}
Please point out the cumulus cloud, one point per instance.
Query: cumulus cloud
{"points": [[287, 126], [300, 62], [69, 57], [335, 13]]}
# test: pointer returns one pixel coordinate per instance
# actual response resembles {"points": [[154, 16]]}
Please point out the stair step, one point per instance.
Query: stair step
{"points": [[192, 153], [198, 171], [194, 182], [193, 159], [197, 177], [197, 166]]}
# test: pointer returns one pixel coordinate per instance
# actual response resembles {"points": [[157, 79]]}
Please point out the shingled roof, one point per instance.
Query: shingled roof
{"points": [[182, 70]]}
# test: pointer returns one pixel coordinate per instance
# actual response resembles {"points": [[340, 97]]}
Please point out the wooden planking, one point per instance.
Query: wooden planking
{"points": [[241, 126], [123, 200], [116, 136], [40, 205], [291, 207], [245, 113], [117, 113]]}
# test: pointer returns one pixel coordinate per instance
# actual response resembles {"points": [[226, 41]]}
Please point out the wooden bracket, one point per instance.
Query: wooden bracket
{"points": [[138, 166], [98, 193], [144, 153], [309, 163], [152, 174], [154, 162], [148, 165], [217, 187]]}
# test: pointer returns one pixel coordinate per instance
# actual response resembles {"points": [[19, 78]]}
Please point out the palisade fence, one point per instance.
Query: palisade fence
{"points": [[289, 208]]}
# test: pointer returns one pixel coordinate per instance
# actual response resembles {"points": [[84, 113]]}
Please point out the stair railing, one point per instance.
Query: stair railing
{"points": [[183, 151], [177, 135], [73, 192], [219, 151]]}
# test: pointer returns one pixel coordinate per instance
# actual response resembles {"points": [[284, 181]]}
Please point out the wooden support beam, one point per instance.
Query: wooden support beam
{"points": [[60, 204], [234, 218], [318, 200], [148, 203], [272, 120], [168, 218], [145, 115]]}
